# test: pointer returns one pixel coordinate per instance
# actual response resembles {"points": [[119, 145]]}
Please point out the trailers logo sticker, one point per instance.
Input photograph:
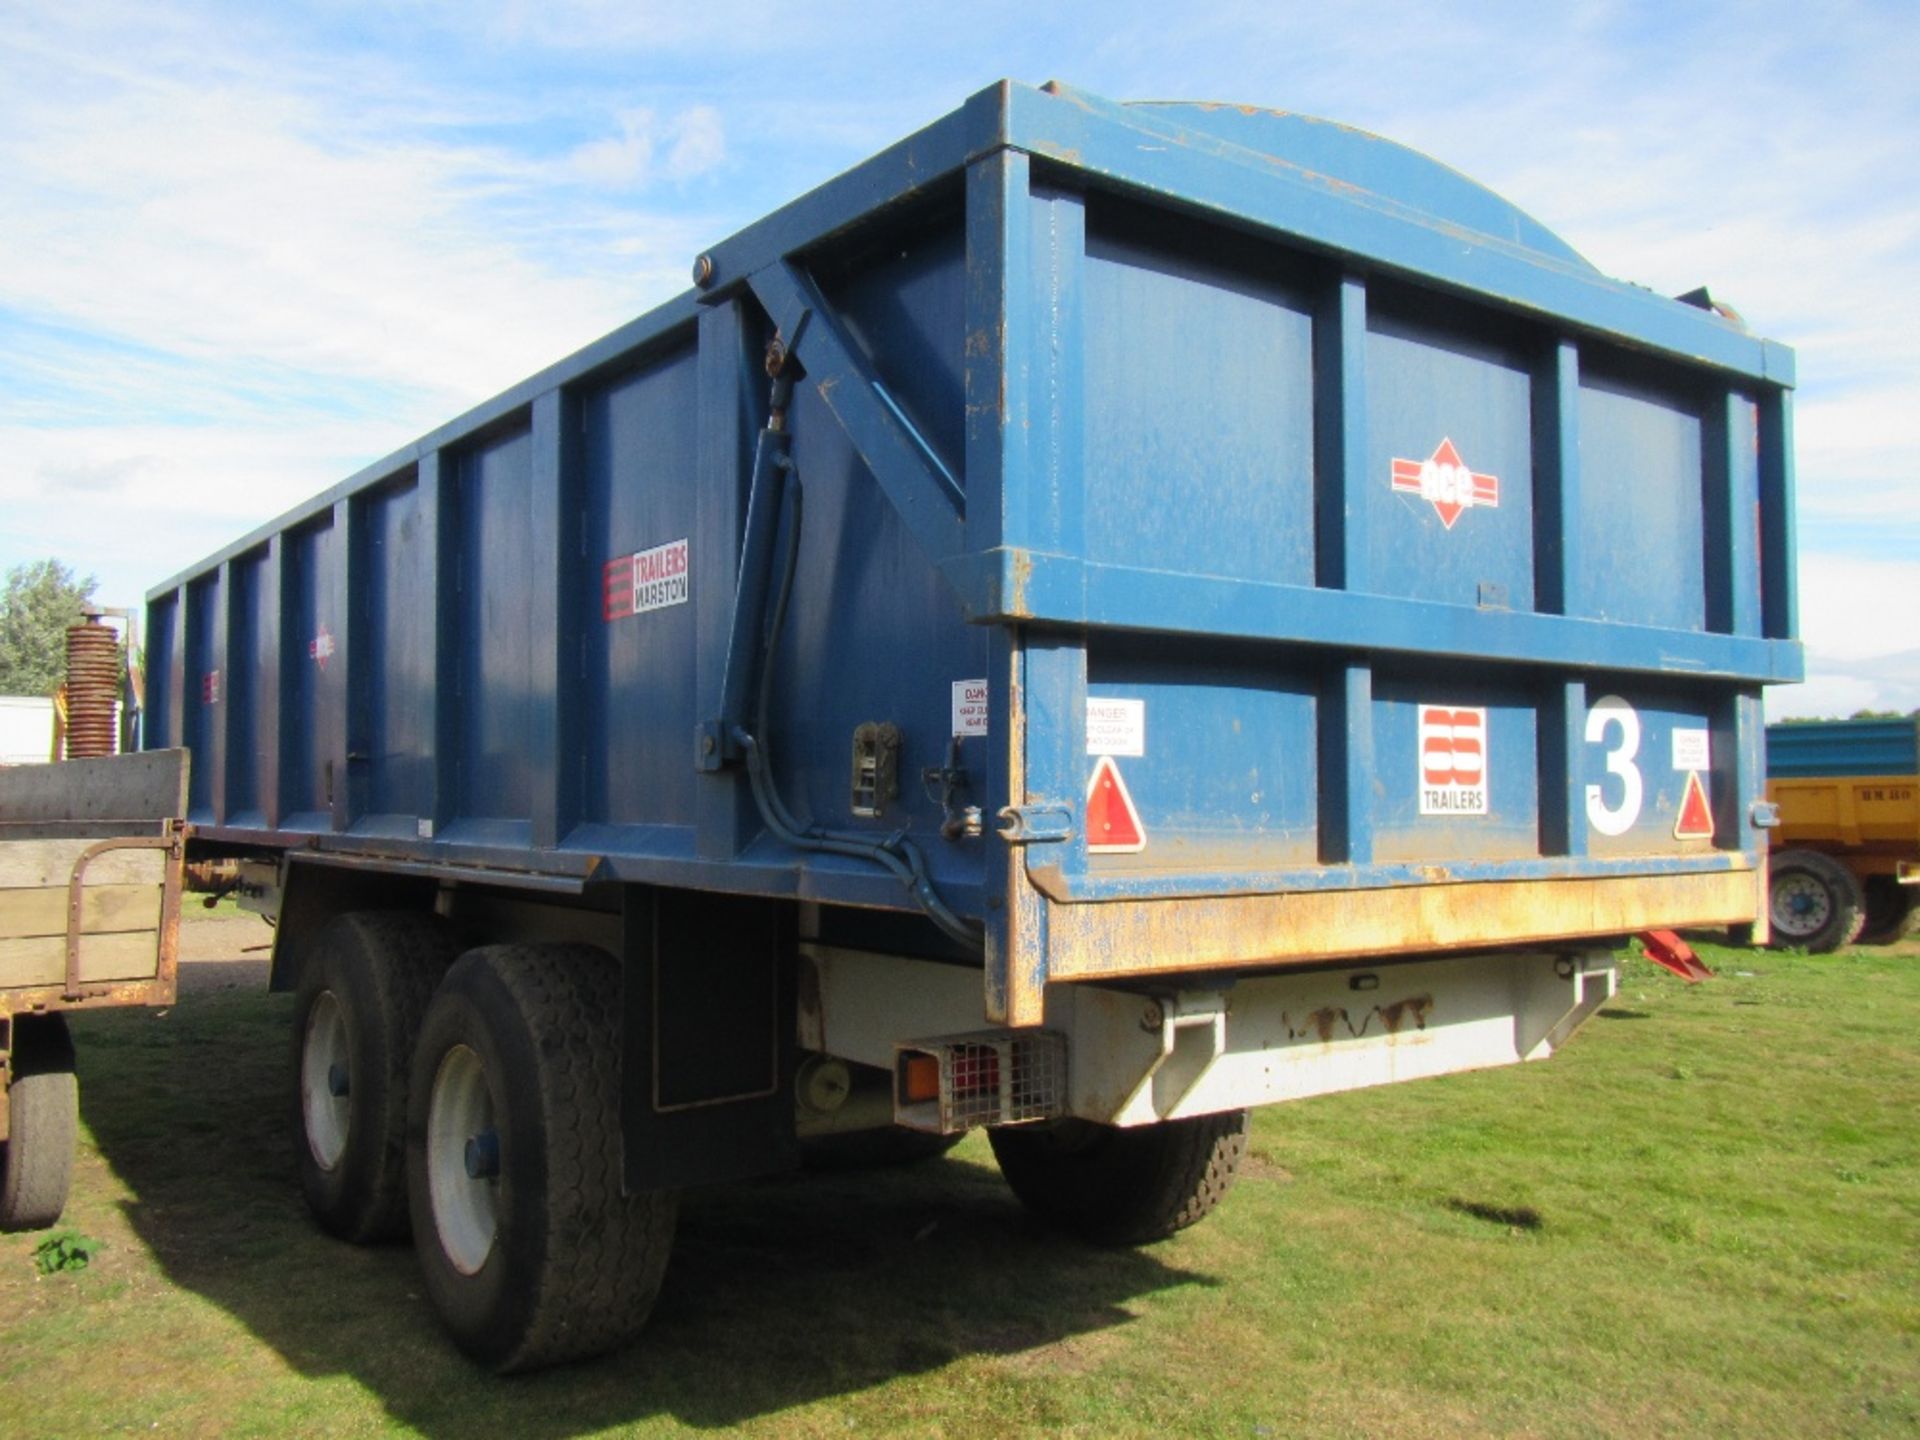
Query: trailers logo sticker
{"points": [[1444, 481], [1453, 760], [320, 648], [646, 580]]}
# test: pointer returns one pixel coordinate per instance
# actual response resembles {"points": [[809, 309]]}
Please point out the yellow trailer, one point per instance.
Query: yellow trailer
{"points": [[1846, 862]]}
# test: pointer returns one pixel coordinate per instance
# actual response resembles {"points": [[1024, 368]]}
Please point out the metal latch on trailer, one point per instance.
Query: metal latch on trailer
{"points": [[1034, 824]]}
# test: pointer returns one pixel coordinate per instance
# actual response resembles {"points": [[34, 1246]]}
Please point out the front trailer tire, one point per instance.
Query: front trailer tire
{"points": [[43, 1119], [363, 993], [530, 1252], [1122, 1187], [1814, 900]]}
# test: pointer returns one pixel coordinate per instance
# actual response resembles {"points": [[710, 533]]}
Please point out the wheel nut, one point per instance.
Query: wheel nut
{"points": [[337, 1080], [483, 1155]]}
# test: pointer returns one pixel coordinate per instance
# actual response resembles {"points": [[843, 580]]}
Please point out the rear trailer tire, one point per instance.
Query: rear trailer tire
{"points": [[43, 1119], [530, 1252], [1814, 901], [1891, 910], [363, 993], [1122, 1187]]}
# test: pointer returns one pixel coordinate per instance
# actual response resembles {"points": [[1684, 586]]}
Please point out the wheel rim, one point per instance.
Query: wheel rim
{"points": [[1801, 904], [325, 1081], [462, 1160]]}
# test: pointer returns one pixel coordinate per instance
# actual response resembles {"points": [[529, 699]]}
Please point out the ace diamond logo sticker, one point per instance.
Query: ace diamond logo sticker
{"points": [[1444, 481]]}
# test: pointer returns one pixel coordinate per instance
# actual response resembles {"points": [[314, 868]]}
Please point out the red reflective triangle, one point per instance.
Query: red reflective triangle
{"points": [[1696, 815], [1113, 825]]}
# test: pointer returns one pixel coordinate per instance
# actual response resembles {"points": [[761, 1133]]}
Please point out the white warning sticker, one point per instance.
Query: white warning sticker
{"points": [[1453, 760], [970, 707], [1691, 750], [1116, 727]]}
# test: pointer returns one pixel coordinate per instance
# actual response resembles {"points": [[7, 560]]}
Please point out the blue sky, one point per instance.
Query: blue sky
{"points": [[245, 250]]}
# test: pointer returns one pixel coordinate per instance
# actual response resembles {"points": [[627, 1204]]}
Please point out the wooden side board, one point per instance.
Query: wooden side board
{"points": [[126, 934]]}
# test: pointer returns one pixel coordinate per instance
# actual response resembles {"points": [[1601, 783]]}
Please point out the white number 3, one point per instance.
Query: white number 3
{"points": [[1615, 819]]}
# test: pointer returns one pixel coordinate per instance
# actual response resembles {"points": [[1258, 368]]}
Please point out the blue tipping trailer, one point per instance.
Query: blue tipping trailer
{"points": [[1091, 572]]}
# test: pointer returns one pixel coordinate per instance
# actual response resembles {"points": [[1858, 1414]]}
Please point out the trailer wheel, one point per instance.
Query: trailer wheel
{"points": [[1891, 910], [1122, 1187], [1814, 901], [43, 1117], [363, 993], [532, 1255]]}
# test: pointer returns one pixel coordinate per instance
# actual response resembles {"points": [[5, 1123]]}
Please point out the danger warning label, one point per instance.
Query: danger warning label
{"points": [[969, 707], [1444, 481], [1453, 760], [1116, 727], [646, 580]]}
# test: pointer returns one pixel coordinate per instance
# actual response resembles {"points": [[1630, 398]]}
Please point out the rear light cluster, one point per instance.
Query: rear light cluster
{"points": [[955, 1082]]}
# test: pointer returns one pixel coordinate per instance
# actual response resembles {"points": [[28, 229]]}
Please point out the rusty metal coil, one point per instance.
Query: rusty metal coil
{"points": [[93, 685]]}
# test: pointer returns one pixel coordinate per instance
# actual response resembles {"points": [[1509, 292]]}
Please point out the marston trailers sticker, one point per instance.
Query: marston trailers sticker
{"points": [[646, 580], [1453, 760], [1445, 482]]}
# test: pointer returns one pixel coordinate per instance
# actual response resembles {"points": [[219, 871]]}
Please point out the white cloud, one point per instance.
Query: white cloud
{"points": [[1826, 695], [134, 504], [343, 256], [625, 159], [1836, 689], [694, 139], [1853, 608], [699, 142], [229, 287]]}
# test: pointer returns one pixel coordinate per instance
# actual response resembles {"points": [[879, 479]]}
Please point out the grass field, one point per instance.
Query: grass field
{"points": [[1703, 1218]]}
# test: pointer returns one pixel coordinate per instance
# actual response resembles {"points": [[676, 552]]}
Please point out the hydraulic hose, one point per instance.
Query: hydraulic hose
{"points": [[897, 854]]}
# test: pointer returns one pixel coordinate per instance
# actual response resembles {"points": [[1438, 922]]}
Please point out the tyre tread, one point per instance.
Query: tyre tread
{"points": [[404, 954], [36, 1160], [605, 1252], [1892, 912], [1129, 1187]]}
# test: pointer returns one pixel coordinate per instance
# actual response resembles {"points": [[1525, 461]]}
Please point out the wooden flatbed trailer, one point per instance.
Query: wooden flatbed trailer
{"points": [[91, 855]]}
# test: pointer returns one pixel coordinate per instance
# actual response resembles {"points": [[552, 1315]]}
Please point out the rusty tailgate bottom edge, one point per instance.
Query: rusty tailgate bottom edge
{"points": [[1171, 937]]}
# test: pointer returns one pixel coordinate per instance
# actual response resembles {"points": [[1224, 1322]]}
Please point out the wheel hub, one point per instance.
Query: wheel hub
{"points": [[463, 1160], [325, 1107], [1801, 904]]}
